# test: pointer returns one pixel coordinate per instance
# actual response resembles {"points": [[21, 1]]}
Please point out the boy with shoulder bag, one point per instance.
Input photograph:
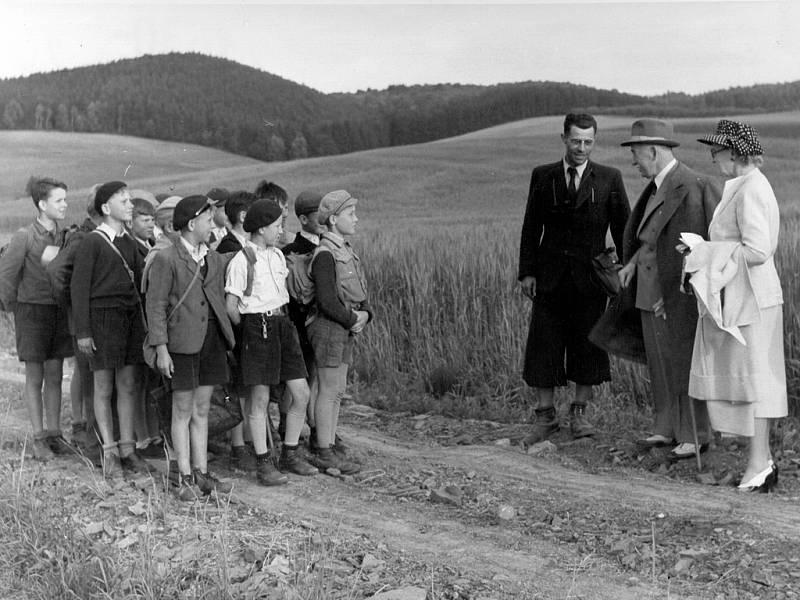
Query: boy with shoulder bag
{"points": [[191, 333]]}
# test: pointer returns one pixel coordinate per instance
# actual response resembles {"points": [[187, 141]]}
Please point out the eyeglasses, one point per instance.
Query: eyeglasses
{"points": [[717, 151]]}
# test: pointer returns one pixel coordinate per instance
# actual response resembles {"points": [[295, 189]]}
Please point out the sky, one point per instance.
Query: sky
{"points": [[640, 47]]}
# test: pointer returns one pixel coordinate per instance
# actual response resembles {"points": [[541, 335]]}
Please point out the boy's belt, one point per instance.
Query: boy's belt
{"points": [[276, 312]]}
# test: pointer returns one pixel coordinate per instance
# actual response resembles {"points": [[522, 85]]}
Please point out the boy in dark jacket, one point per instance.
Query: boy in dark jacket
{"points": [[109, 324]]}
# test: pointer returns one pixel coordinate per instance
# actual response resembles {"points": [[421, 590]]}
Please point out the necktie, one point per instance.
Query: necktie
{"points": [[572, 190]]}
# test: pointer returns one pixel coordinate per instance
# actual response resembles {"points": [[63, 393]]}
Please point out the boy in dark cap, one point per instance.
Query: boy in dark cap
{"points": [[306, 207], [258, 298], [109, 324], [191, 337]]}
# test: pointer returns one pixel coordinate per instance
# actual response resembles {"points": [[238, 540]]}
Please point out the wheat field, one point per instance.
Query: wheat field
{"points": [[439, 237]]}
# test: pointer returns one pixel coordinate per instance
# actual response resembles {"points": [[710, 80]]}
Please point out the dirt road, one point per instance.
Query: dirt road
{"points": [[571, 534]]}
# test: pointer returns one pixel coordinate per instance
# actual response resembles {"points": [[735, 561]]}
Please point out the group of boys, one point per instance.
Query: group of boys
{"points": [[200, 281]]}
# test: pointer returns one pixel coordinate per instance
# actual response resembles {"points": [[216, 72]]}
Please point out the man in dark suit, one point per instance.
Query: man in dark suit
{"points": [[571, 205], [676, 200]]}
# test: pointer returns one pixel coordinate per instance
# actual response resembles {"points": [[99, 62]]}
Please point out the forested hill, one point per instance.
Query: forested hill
{"points": [[216, 102]]}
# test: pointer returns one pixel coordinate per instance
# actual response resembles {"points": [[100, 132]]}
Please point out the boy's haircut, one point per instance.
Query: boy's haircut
{"points": [[238, 202], [579, 120], [143, 207], [272, 191], [39, 188]]}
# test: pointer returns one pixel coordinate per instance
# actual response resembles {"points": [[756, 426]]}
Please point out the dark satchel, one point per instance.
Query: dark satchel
{"points": [[606, 268], [619, 329]]}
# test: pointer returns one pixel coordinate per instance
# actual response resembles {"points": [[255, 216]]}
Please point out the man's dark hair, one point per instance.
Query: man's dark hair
{"points": [[272, 191], [580, 120], [238, 202]]}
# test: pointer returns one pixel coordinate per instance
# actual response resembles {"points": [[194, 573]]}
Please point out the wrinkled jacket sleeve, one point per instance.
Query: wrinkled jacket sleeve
{"points": [[159, 285], [11, 269], [81, 287]]}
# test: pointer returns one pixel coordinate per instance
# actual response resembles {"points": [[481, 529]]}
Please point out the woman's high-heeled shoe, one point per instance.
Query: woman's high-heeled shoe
{"points": [[762, 482]]}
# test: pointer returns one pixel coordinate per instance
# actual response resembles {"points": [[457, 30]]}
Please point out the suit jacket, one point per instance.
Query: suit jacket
{"points": [[685, 203], [557, 238], [169, 275]]}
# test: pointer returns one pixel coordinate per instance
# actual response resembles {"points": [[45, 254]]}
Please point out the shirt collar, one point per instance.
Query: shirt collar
{"points": [[580, 168], [311, 237], [335, 238], [266, 251], [108, 230], [198, 253], [659, 179], [242, 239], [44, 228]]}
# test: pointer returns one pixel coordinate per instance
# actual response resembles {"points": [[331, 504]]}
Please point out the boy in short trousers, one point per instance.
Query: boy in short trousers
{"points": [[270, 351], [191, 338], [43, 339]]}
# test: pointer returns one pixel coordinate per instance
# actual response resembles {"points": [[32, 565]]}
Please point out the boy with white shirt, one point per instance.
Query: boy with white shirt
{"points": [[257, 297]]}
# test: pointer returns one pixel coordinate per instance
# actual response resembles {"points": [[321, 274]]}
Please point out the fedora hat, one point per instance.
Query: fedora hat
{"points": [[651, 131]]}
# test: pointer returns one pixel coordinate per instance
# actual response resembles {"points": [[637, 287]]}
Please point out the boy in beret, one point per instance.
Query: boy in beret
{"points": [[270, 347], [191, 344], [109, 324]]}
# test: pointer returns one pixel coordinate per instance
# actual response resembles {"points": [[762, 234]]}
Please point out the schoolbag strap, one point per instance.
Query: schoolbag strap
{"points": [[185, 292], [250, 255]]}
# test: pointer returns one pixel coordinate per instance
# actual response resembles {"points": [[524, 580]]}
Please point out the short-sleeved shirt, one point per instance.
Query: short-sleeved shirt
{"points": [[269, 280]]}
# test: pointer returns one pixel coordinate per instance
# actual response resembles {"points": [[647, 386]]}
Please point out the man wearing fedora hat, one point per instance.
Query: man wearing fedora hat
{"points": [[676, 200]]}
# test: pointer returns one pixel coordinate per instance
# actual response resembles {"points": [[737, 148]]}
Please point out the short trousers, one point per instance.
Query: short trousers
{"points": [[207, 367], [272, 360], [332, 343], [118, 333], [42, 332]]}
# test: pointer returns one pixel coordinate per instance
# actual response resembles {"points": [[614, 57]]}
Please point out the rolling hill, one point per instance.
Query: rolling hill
{"points": [[214, 102]]}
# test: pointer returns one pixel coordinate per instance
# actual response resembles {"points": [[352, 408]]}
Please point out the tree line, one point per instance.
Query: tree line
{"points": [[216, 102]]}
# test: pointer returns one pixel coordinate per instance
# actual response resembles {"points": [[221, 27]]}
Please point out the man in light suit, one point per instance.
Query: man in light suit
{"points": [[676, 200], [571, 205]]}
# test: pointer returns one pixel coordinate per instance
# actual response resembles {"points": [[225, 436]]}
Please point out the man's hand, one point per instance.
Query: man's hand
{"points": [[658, 308], [86, 346], [626, 273], [164, 363], [362, 317], [528, 285]]}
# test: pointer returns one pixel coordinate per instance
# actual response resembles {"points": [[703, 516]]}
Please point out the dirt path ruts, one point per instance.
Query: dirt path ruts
{"points": [[652, 491]]}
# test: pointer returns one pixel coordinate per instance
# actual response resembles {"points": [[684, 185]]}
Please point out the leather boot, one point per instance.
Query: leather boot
{"points": [[292, 462], [546, 424], [578, 423]]}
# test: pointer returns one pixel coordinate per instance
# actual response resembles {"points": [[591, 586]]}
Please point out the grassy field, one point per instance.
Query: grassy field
{"points": [[439, 236]]}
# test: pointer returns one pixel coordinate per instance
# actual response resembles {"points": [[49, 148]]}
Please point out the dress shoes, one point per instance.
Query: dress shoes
{"points": [[686, 450], [655, 441], [762, 482]]}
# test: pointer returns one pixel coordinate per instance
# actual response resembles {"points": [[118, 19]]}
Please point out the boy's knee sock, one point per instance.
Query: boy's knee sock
{"points": [[111, 448], [294, 425], [258, 429], [126, 447]]}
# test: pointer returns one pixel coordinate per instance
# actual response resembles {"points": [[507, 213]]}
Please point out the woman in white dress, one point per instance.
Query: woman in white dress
{"points": [[738, 362]]}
